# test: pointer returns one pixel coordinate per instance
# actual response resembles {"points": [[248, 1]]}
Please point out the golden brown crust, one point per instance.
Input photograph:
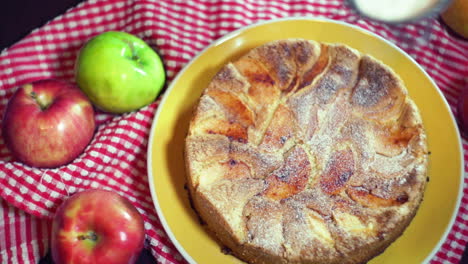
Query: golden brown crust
{"points": [[306, 152]]}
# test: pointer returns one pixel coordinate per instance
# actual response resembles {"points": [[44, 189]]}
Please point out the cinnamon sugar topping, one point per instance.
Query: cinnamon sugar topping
{"points": [[306, 152]]}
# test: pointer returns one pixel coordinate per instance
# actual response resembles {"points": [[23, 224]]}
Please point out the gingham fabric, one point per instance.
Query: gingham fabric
{"points": [[116, 157]]}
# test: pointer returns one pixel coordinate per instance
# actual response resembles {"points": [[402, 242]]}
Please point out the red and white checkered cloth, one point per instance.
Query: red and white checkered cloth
{"points": [[116, 157]]}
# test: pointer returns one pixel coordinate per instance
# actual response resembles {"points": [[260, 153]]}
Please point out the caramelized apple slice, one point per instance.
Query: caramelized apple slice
{"points": [[282, 127], [236, 169], [262, 95], [379, 94], [231, 169], [305, 113], [233, 131], [291, 178], [262, 89], [228, 79], [339, 76], [278, 58], [234, 107], [392, 141], [339, 169], [261, 164], [393, 138], [366, 198], [318, 67], [353, 225]]}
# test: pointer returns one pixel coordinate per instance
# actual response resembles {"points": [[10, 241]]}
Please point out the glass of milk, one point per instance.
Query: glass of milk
{"points": [[399, 11]]}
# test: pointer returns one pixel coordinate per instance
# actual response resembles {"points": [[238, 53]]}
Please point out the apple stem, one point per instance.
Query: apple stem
{"points": [[41, 104], [135, 56], [91, 236]]}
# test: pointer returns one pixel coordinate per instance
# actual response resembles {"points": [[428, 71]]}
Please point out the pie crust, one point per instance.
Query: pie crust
{"points": [[306, 152]]}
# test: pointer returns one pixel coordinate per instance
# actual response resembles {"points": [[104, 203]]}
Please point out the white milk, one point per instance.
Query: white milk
{"points": [[394, 10]]}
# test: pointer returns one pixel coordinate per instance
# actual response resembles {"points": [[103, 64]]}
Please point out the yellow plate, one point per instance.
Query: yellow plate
{"points": [[166, 169]]}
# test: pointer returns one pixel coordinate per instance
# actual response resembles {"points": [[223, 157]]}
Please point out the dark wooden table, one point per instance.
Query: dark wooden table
{"points": [[19, 17]]}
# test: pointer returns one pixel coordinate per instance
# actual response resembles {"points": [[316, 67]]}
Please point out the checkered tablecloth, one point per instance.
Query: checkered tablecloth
{"points": [[116, 157]]}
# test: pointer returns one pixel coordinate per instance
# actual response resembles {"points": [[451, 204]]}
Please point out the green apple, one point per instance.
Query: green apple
{"points": [[119, 72]]}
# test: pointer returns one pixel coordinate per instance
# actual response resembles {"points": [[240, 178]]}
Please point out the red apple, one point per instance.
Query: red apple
{"points": [[48, 123], [462, 112], [97, 226]]}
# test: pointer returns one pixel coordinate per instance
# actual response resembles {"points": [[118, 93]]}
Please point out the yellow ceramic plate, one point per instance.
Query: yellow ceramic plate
{"points": [[166, 169]]}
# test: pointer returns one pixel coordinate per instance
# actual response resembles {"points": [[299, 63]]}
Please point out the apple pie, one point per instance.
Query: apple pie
{"points": [[306, 152]]}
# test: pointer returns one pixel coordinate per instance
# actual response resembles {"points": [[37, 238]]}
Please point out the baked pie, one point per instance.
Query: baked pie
{"points": [[306, 152]]}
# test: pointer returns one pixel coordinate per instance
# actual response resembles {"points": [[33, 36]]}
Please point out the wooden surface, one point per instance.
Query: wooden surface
{"points": [[19, 17]]}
